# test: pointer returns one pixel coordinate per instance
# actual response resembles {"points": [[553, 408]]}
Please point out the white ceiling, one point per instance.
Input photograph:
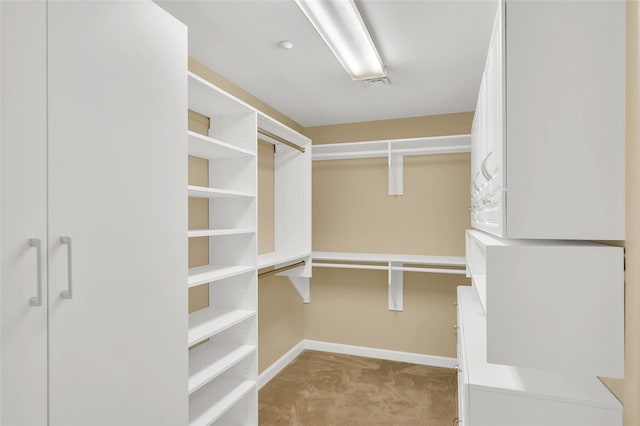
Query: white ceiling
{"points": [[434, 51]]}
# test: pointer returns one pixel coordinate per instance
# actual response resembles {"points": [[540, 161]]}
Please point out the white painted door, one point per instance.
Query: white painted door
{"points": [[23, 207], [117, 105]]}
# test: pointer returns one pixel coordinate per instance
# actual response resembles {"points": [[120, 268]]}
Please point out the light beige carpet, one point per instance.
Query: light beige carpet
{"points": [[327, 389]]}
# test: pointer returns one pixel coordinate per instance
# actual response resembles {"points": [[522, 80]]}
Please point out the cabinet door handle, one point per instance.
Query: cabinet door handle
{"points": [[483, 167], [68, 293], [457, 422], [37, 243], [473, 181]]}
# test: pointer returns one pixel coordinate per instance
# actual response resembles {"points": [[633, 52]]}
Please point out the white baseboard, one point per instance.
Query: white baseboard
{"points": [[413, 358], [270, 372], [315, 345]]}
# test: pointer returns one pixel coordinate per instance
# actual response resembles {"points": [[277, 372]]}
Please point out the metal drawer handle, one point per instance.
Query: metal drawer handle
{"points": [[483, 167], [68, 293], [37, 243]]}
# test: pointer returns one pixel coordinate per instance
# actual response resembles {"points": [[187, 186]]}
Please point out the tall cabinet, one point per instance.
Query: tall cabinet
{"points": [[92, 149], [545, 316]]}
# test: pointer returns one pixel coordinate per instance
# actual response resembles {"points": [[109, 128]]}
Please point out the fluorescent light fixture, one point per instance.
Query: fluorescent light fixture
{"points": [[341, 26]]}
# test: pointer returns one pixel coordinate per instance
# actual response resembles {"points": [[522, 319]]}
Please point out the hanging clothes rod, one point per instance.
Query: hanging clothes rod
{"points": [[282, 269], [385, 268], [280, 140]]}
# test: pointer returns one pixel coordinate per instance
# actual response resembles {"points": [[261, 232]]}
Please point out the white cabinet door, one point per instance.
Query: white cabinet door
{"points": [[117, 105], [23, 202]]}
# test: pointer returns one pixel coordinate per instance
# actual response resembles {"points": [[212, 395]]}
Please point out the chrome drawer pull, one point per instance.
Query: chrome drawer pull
{"points": [[37, 243], [68, 293]]}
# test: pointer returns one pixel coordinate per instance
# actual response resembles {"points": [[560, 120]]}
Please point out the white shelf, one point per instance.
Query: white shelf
{"points": [[208, 361], [382, 148], [206, 274], [208, 322], [225, 394], [210, 148], [394, 265], [219, 232], [210, 101], [412, 259], [275, 258], [205, 192]]}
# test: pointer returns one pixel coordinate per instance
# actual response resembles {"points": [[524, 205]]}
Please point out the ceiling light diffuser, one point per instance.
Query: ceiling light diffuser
{"points": [[341, 26]]}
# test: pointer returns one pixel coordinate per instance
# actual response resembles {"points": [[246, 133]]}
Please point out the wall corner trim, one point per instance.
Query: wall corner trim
{"points": [[315, 345]]}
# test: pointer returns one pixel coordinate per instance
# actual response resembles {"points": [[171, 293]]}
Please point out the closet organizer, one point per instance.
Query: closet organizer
{"points": [[222, 334]]}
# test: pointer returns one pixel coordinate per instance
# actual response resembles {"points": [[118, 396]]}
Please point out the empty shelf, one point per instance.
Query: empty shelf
{"points": [[385, 258], [208, 322], [205, 192], [210, 148], [215, 400], [209, 361], [206, 274], [220, 232]]}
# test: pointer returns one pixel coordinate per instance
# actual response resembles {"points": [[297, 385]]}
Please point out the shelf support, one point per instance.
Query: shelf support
{"points": [[396, 171], [396, 284], [300, 277]]}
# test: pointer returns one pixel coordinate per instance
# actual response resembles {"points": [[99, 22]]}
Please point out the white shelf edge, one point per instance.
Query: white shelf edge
{"points": [[217, 324], [388, 257], [206, 375], [206, 274], [224, 404], [206, 192], [215, 143], [219, 232]]}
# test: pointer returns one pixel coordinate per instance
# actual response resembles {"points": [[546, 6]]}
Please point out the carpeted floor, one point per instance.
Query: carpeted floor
{"points": [[327, 389]]}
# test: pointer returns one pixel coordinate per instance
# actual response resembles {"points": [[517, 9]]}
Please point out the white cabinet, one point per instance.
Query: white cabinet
{"points": [[554, 305], [548, 133], [92, 165], [500, 395]]}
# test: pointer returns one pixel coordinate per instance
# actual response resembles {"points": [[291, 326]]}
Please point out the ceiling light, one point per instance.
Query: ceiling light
{"points": [[341, 26]]}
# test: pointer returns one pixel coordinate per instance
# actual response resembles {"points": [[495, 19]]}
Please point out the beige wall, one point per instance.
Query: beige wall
{"points": [[280, 319], [352, 212], [412, 127], [632, 277]]}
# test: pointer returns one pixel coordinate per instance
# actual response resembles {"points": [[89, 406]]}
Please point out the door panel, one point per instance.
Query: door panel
{"points": [[23, 202], [117, 187]]}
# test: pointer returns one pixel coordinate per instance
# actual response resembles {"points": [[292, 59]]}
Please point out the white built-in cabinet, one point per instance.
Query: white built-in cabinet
{"points": [[552, 305], [492, 394], [92, 171], [548, 133], [223, 363], [545, 313]]}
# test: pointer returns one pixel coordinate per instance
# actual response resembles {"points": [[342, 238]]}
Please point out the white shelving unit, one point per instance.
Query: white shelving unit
{"points": [[394, 150], [223, 336], [292, 203], [223, 366], [395, 264]]}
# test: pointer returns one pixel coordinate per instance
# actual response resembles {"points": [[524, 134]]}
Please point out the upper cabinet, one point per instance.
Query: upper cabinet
{"points": [[548, 133]]}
